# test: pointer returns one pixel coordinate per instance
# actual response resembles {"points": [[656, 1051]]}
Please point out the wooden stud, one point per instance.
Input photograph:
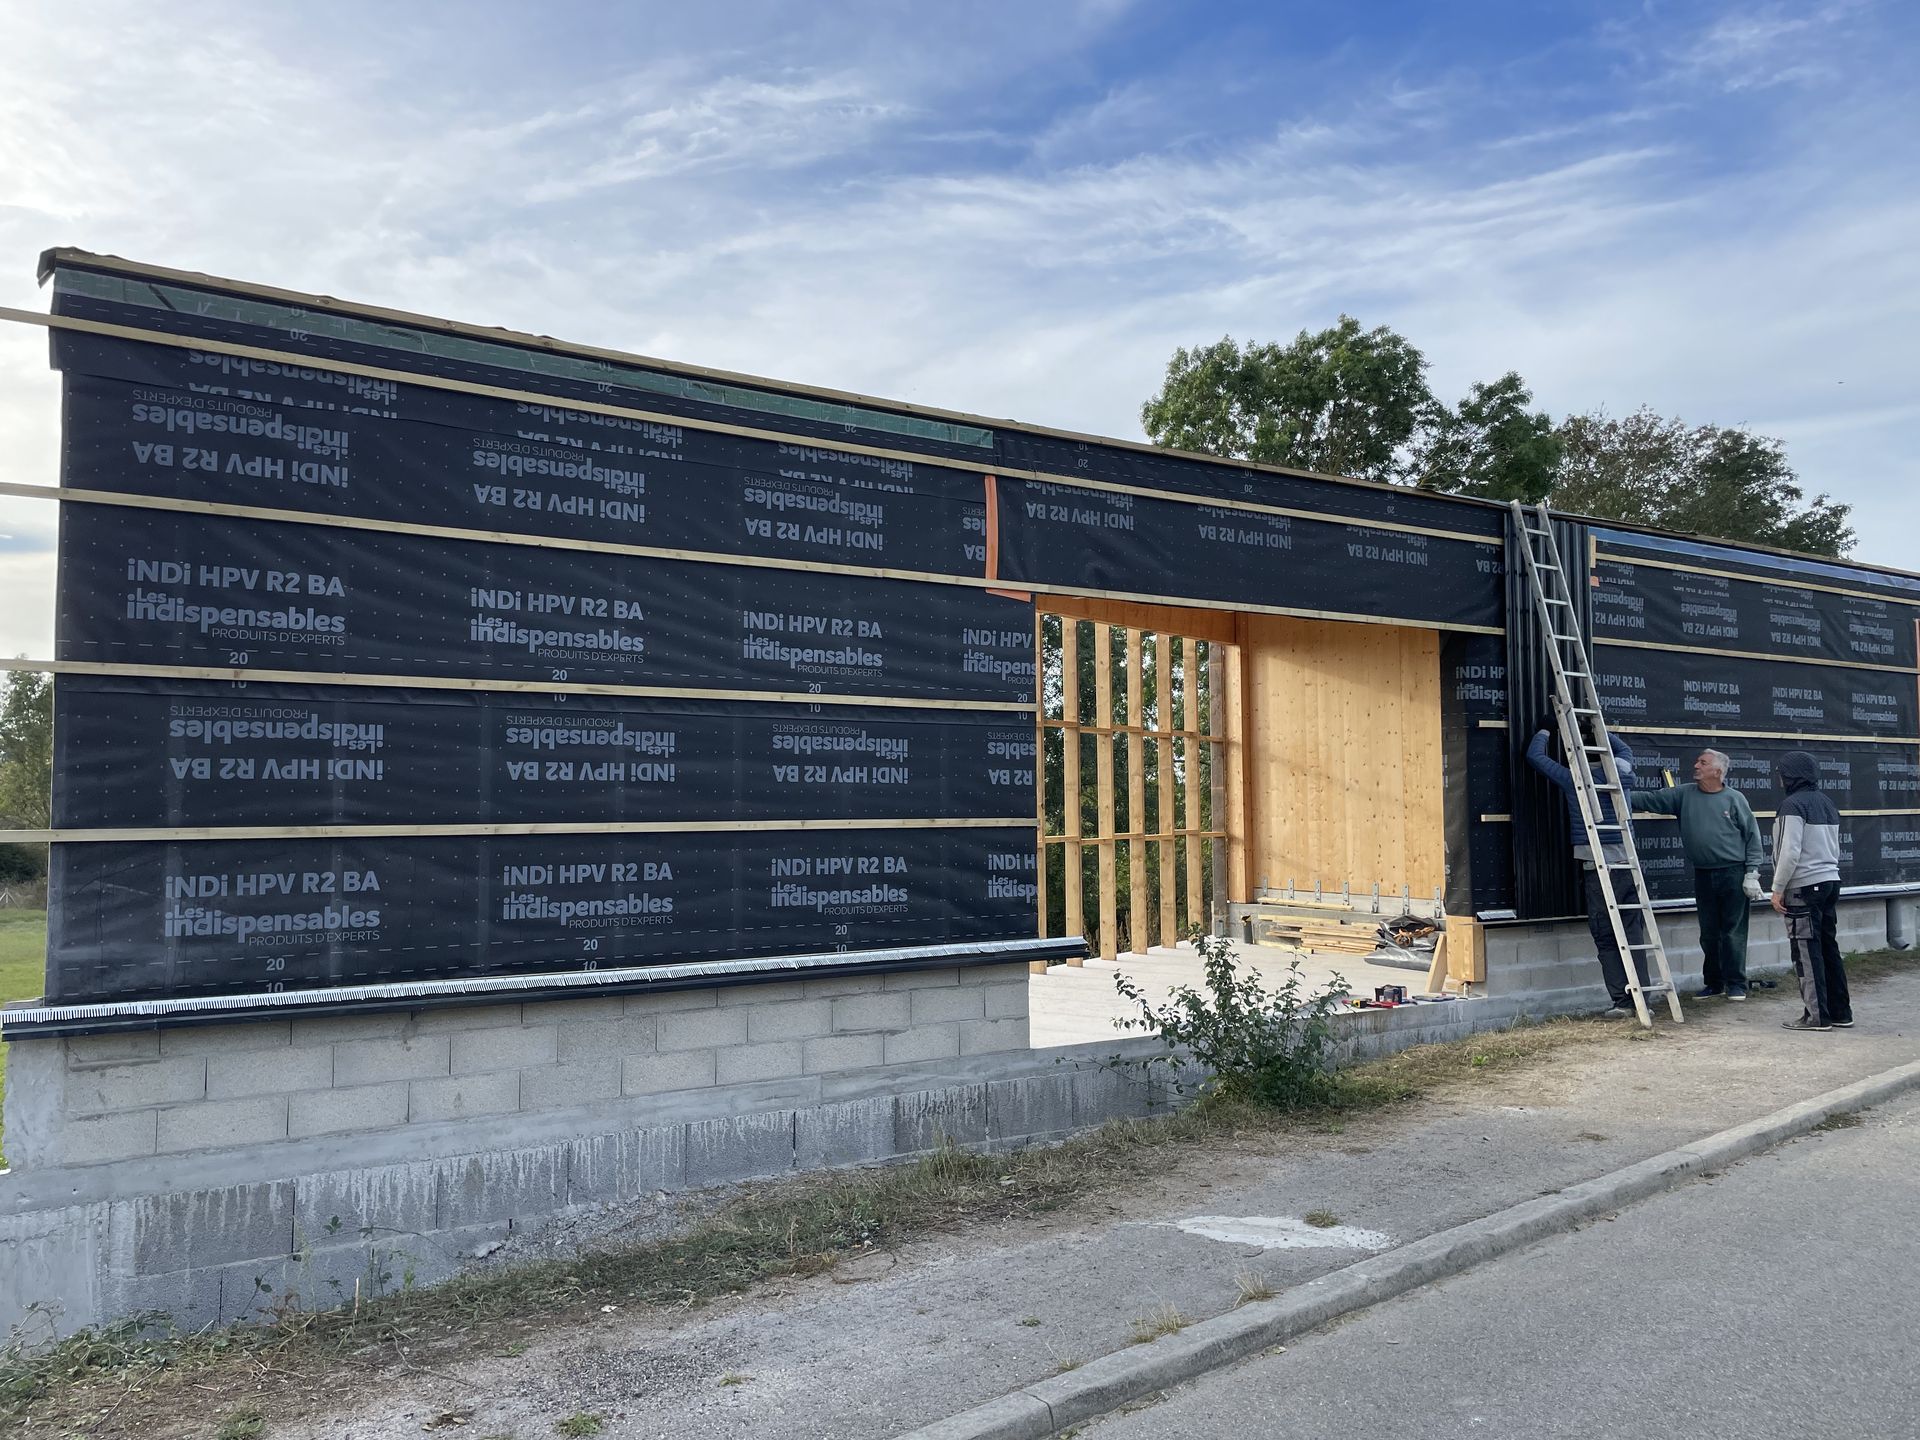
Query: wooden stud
{"points": [[1070, 777], [1163, 747], [1103, 793], [1136, 802], [1239, 820], [1190, 696], [1039, 967]]}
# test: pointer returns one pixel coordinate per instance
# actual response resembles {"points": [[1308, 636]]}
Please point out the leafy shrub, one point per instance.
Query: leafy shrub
{"points": [[1255, 1046]]}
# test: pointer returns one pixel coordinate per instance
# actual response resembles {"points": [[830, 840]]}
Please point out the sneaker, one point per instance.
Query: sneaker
{"points": [[1803, 1023], [1846, 1024], [1736, 994], [1620, 1011], [1708, 994]]}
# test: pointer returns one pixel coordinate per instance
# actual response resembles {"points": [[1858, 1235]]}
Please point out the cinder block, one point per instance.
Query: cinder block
{"points": [[843, 1052], [922, 979], [1008, 1001], [1101, 1094], [929, 1119], [768, 992], [454, 1019], [669, 1001], [519, 1048], [662, 1074], [583, 1082], [933, 1007], [221, 1124], [574, 1012], [397, 1057], [994, 974], [341, 1207], [983, 1037], [98, 1139], [226, 1039], [331, 1029], [189, 1298], [845, 985], [743, 1064], [606, 1168], [112, 1049], [700, 1029], [588, 1039], [1031, 1108], [268, 1072], [923, 1042], [794, 1020], [459, 1097], [197, 1229], [852, 1132], [739, 1147], [854, 1013], [504, 1185], [359, 1107], [136, 1085]]}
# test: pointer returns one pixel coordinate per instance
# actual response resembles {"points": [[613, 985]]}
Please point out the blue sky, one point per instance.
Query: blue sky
{"points": [[1709, 208]]}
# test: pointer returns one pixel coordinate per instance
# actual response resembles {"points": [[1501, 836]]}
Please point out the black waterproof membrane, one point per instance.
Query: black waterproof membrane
{"points": [[140, 753], [197, 426], [1687, 690], [1107, 541], [137, 920], [165, 588], [1766, 616]]}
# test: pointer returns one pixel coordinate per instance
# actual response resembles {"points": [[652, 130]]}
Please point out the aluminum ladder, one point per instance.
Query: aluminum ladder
{"points": [[1583, 733]]}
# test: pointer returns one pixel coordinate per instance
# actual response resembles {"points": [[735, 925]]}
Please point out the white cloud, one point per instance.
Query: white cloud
{"points": [[896, 212]]}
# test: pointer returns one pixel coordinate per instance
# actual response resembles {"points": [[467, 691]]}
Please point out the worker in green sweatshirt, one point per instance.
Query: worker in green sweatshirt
{"points": [[1721, 841]]}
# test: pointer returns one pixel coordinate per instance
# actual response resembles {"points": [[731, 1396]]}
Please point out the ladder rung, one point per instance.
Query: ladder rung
{"points": [[1566, 639], [1648, 946], [1563, 604], [1578, 675]]}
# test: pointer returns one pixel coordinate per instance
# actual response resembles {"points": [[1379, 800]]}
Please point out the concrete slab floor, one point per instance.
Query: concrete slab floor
{"points": [[1077, 1004]]}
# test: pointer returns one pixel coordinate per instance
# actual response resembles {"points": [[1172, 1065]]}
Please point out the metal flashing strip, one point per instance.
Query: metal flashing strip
{"points": [[22, 1022], [1786, 579], [1784, 562]]}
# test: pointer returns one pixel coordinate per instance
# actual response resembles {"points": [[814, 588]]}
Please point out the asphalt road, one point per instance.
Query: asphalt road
{"points": [[1779, 1300]]}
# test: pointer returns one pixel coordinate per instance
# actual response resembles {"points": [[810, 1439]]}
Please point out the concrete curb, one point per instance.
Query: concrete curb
{"points": [[1103, 1385]]}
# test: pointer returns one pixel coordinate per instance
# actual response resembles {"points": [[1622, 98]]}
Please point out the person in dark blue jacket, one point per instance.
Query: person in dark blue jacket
{"points": [[1612, 969]]}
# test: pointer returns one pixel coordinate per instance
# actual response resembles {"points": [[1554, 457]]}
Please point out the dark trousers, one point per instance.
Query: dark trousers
{"points": [[1634, 922], [1813, 926], [1723, 925]]}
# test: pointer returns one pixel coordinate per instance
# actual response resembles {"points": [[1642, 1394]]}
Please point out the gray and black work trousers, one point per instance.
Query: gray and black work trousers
{"points": [[1813, 926], [1612, 968]]}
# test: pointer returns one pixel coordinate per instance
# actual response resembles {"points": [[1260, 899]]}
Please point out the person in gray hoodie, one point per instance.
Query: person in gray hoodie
{"points": [[1806, 889]]}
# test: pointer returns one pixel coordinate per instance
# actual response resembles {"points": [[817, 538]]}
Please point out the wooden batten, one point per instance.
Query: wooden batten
{"points": [[1163, 747], [1076, 920], [1136, 800], [1190, 698], [1103, 793]]}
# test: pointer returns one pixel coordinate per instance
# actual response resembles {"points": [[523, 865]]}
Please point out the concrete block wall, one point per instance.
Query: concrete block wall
{"points": [[224, 1233], [98, 1100], [1558, 960]]}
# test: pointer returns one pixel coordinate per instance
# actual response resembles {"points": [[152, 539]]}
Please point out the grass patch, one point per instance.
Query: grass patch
{"points": [[23, 968], [580, 1424], [1841, 1120], [1321, 1219], [249, 1422], [1253, 1286], [1166, 1320]]}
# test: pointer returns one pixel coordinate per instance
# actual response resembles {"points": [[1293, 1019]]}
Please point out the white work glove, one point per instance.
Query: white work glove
{"points": [[1754, 892]]}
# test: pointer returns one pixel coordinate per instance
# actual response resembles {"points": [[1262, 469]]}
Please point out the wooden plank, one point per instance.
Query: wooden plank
{"points": [[1754, 655], [1437, 971], [1240, 819], [1039, 967], [505, 687], [1165, 618], [1136, 801], [1103, 792], [1163, 746], [1466, 951], [1190, 697], [156, 833], [1070, 777]]}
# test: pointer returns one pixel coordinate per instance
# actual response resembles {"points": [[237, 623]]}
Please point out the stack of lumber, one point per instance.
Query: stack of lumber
{"points": [[1324, 929]]}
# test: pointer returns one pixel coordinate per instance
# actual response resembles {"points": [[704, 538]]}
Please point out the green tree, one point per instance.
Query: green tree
{"points": [[1721, 482], [1492, 444], [1345, 401], [26, 769]]}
